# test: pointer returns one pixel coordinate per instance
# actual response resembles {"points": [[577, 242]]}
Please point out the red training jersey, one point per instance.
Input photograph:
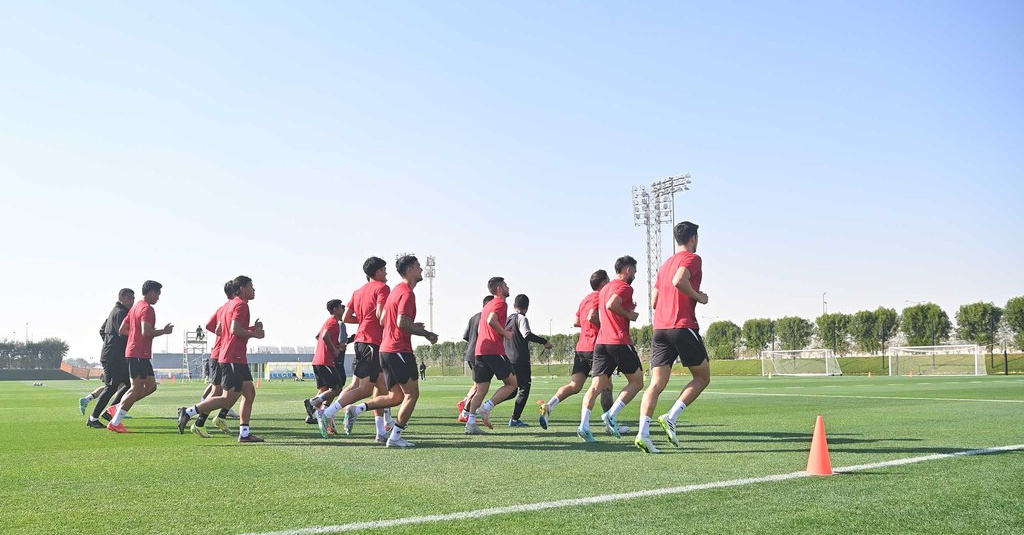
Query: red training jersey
{"points": [[212, 327], [401, 302], [675, 309], [588, 331], [489, 341], [140, 347], [323, 355], [615, 328], [364, 305], [232, 351]]}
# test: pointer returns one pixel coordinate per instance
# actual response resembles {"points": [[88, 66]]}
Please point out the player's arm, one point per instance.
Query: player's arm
{"points": [[466, 334], [492, 322], [350, 317], [614, 306], [594, 317], [406, 324], [524, 327], [654, 298], [244, 331], [212, 325], [325, 335], [152, 332], [123, 330], [681, 280]]}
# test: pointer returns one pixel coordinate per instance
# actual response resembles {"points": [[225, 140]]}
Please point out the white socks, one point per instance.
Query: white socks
{"points": [[118, 417], [243, 431], [645, 427], [488, 405], [191, 411], [361, 408], [585, 418], [616, 409], [677, 409], [332, 409], [552, 403], [379, 422], [472, 420]]}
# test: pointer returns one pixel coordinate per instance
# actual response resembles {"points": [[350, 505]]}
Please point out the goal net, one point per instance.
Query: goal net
{"points": [[937, 360], [804, 362]]}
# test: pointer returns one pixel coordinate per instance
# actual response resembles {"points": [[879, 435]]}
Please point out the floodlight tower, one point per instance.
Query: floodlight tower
{"points": [[651, 209], [429, 274]]}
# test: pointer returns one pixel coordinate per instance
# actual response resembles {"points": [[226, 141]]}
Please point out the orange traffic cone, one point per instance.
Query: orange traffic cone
{"points": [[819, 463], [259, 382]]}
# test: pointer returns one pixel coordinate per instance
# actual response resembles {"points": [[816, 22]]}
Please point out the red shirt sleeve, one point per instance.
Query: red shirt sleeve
{"points": [[212, 324], [382, 294], [241, 315], [150, 316], [692, 263], [407, 305]]}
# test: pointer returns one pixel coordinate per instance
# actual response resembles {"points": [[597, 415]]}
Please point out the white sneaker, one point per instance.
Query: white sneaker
{"points": [[623, 430], [380, 439], [473, 429], [399, 443], [645, 445]]}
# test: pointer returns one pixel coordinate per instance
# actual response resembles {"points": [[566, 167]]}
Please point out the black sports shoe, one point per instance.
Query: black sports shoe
{"points": [[106, 416], [309, 409], [95, 424], [311, 420], [183, 419]]}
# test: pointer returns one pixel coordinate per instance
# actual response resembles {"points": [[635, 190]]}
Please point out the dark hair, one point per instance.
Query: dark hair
{"points": [[623, 262], [333, 304], [493, 283], [150, 286], [125, 292], [230, 290], [684, 231], [488, 299], [597, 278], [521, 301], [403, 263], [241, 281], [373, 265]]}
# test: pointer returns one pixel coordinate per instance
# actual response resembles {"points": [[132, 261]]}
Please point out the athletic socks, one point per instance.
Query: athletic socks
{"points": [[396, 433], [379, 422], [192, 412], [316, 401], [471, 420], [332, 410], [91, 419], [616, 409], [677, 409], [202, 419], [89, 397], [464, 413], [585, 418], [645, 427], [118, 417], [552, 403], [223, 413], [488, 405], [243, 431], [361, 408]]}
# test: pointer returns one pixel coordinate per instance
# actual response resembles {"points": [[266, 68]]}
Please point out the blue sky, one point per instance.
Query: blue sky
{"points": [[871, 151]]}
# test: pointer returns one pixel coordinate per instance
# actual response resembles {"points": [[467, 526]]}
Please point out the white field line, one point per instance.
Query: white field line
{"points": [[779, 394], [576, 502]]}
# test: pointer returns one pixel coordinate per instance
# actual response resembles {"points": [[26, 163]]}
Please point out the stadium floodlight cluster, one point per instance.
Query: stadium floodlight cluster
{"points": [[936, 360], [652, 208], [800, 363]]}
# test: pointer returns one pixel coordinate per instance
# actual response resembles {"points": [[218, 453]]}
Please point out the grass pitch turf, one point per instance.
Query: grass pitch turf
{"points": [[58, 476]]}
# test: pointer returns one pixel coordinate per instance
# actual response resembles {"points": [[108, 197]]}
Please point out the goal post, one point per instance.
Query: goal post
{"points": [[936, 360], [800, 363]]}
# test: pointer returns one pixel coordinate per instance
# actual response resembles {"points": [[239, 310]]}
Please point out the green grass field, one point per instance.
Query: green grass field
{"points": [[57, 476]]}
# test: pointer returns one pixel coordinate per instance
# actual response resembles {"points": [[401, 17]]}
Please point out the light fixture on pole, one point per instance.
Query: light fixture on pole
{"points": [[429, 274], [652, 208]]}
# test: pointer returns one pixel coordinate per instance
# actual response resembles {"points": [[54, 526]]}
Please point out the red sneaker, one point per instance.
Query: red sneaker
{"points": [[112, 410], [462, 407], [463, 419], [119, 428]]}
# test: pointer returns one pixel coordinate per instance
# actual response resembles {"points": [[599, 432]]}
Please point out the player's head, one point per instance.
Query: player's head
{"points": [[488, 299], [151, 291], [376, 269], [126, 297], [685, 234], [408, 267], [336, 307], [245, 289], [497, 287], [230, 290], [625, 268], [598, 279], [522, 303]]}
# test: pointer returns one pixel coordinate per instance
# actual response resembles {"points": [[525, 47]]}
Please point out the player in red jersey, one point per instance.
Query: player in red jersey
{"points": [[491, 359], [588, 321], [139, 327], [214, 389], [366, 308], [614, 349], [397, 359], [236, 378], [328, 377], [676, 335]]}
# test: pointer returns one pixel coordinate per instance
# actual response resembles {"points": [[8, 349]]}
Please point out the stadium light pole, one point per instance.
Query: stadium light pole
{"points": [[824, 304], [429, 274], [652, 208]]}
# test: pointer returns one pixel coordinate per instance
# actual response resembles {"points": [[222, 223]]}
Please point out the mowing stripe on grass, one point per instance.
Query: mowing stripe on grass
{"points": [[779, 394], [575, 502]]}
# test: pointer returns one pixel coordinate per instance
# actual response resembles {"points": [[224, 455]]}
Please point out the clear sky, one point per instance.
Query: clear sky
{"points": [[871, 150]]}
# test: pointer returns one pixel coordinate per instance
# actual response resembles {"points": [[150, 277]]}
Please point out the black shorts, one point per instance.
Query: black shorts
{"points": [[327, 377], [367, 361], [140, 368], [398, 368], [488, 366], [684, 344], [608, 358], [215, 373], [234, 375], [583, 362], [115, 372]]}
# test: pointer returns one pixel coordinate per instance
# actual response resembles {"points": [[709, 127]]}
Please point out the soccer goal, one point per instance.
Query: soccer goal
{"points": [[800, 363], [937, 360]]}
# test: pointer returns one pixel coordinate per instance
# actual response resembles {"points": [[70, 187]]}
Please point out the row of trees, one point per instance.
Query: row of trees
{"points": [[869, 331], [42, 355]]}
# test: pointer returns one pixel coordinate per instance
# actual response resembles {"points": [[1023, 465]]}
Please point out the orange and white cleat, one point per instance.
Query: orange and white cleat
{"points": [[119, 428]]}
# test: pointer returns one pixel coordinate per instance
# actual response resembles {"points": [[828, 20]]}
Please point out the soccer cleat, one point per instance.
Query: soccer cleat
{"points": [[517, 423], [95, 424], [670, 429], [585, 434], [83, 403], [250, 438], [399, 443], [311, 420], [544, 413], [380, 439], [611, 425], [106, 416], [463, 417], [350, 419], [485, 417], [623, 430], [646, 445], [183, 419], [119, 428], [196, 430], [321, 422], [461, 406], [221, 424], [473, 429], [332, 427], [112, 410], [309, 408], [233, 414]]}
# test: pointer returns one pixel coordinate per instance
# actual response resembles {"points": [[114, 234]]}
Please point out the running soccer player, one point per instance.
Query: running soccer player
{"points": [[366, 308], [397, 359], [214, 389], [236, 378], [614, 349], [115, 367], [139, 327], [518, 349], [470, 335], [328, 377], [588, 321], [491, 360], [676, 335]]}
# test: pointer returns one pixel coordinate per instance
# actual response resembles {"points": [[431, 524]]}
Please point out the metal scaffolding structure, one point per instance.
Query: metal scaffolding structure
{"points": [[653, 207]]}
